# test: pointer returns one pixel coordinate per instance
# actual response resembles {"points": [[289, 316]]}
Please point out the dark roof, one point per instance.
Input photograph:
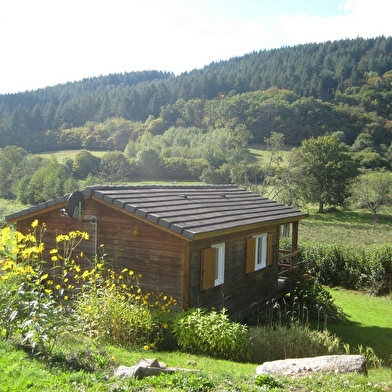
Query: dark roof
{"points": [[188, 210]]}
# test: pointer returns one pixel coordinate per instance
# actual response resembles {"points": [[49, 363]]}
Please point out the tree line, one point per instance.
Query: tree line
{"points": [[324, 171], [299, 91]]}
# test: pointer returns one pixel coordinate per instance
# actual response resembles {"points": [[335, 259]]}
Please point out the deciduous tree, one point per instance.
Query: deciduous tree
{"points": [[322, 170], [373, 190]]}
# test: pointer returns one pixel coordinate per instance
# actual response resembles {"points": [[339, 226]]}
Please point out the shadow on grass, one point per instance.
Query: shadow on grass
{"points": [[356, 335], [349, 217]]}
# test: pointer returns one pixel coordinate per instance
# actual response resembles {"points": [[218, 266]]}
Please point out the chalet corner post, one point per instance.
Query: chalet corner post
{"points": [[294, 244]]}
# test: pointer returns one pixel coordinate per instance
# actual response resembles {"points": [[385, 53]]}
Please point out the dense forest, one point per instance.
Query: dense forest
{"points": [[308, 90]]}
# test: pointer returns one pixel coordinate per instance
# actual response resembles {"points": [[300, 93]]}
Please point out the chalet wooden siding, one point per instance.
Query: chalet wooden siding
{"points": [[240, 289], [168, 233], [158, 256]]}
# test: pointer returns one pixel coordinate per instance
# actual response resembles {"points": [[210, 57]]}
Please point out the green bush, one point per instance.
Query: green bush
{"points": [[308, 297], [380, 269], [358, 268], [201, 332]]}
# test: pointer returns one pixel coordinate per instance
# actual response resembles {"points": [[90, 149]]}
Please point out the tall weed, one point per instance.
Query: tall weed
{"points": [[294, 341]]}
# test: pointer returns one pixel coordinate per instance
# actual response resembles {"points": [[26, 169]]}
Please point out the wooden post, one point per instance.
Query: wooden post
{"points": [[294, 243]]}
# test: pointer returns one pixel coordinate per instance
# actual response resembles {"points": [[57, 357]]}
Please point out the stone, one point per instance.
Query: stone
{"points": [[304, 366], [145, 368]]}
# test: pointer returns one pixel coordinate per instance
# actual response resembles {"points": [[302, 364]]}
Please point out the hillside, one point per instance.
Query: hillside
{"points": [[340, 86]]}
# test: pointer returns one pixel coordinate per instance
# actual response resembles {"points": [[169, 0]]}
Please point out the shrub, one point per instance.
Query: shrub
{"points": [[306, 293], [202, 332], [368, 269], [380, 269]]}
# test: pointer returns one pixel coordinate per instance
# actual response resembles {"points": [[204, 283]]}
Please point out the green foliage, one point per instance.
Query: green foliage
{"points": [[306, 291], [372, 360], [84, 164], [118, 321], [321, 170], [48, 182], [265, 380], [114, 167], [368, 269], [293, 341], [10, 158], [372, 190], [211, 333], [183, 382], [29, 312]]}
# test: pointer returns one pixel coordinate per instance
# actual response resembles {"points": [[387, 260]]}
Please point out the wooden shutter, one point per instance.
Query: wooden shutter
{"points": [[250, 255], [270, 248], [208, 268]]}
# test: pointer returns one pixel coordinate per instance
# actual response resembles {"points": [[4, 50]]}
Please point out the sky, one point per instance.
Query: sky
{"points": [[47, 42]]}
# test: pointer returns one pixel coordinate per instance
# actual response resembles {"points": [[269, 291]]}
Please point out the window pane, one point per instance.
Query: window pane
{"points": [[261, 251], [219, 263]]}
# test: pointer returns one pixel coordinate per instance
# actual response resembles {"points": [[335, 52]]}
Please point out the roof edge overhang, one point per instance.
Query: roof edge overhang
{"points": [[35, 210], [188, 236]]}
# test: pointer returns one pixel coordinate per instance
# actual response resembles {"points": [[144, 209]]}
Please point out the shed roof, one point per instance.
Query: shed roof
{"points": [[186, 210]]}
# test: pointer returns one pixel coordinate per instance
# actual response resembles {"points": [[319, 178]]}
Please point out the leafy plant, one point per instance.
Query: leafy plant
{"points": [[212, 333], [265, 380], [30, 313]]}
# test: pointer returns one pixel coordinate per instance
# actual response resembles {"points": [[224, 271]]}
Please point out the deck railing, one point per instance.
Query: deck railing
{"points": [[287, 262]]}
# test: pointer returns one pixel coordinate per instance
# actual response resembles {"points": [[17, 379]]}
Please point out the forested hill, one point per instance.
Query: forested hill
{"points": [[341, 86]]}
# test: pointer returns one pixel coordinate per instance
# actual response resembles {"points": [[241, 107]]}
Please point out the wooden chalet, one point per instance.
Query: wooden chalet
{"points": [[207, 246]]}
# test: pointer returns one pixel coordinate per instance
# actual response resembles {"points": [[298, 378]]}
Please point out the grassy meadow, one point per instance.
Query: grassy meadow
{"points": [[64, 154], [348, 227]]}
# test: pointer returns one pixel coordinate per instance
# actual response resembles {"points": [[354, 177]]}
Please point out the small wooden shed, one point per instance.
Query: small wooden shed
{"points": [[207, 246]]}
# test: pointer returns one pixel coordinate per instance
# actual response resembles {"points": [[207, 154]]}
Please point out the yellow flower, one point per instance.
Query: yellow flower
{"points": [[165, 326], [146, 347], [34, 224], [48, 291]]}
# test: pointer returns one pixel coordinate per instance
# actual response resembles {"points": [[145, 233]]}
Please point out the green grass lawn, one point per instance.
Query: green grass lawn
{"points": [[348, 227], [369, 321], [63, 154]]}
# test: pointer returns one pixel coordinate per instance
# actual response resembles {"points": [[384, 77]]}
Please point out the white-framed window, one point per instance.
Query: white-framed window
{"points": [[219, 264], [261, 251], [212, 266]]}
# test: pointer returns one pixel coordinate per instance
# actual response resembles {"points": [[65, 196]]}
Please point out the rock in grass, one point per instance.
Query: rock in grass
{"points": [[304, 366], [145, 368]]}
